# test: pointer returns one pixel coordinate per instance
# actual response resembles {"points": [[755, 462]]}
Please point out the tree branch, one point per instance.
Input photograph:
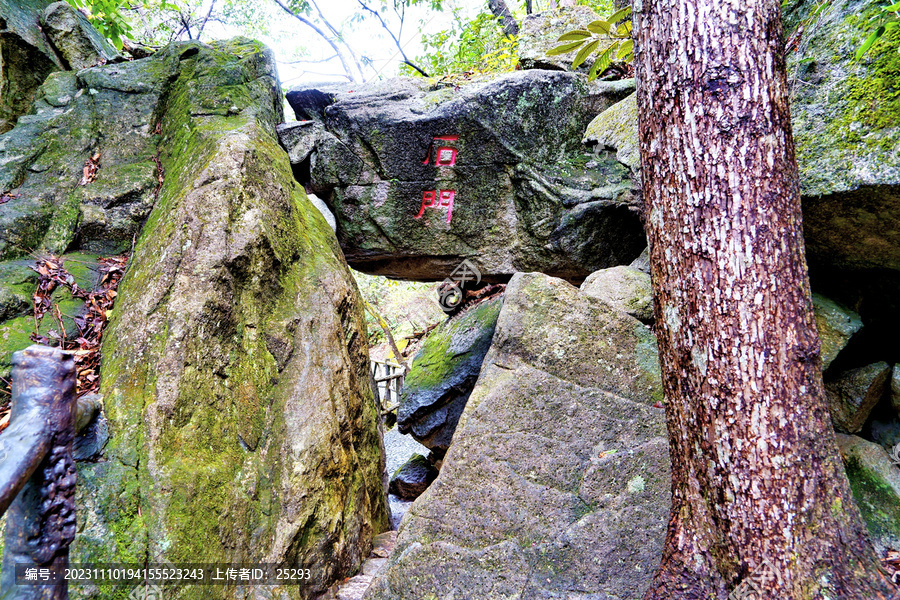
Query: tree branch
{"points": [[393, 37], [347, 67], [501, 11], [208, 15]]}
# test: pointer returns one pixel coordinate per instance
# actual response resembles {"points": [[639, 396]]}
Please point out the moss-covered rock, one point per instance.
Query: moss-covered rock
{"points": [[836, 324], [235, 373], [443, 373], [615, 130], [26, 58], [875, 482], [557, 481], [853, 394]]}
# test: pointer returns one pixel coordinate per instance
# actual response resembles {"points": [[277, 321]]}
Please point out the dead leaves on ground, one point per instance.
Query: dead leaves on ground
{"points": [[98, 303], [91, 168], [891, 563], [7, 196]]}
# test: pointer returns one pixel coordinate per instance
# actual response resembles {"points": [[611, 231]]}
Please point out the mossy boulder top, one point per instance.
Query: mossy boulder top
{"points": [[423, 173], [443, 374]]}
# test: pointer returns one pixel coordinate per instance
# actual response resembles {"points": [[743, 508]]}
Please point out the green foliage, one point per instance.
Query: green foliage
{"points": [[609, 40], [475, 46], [885, 21], [107, 17]]}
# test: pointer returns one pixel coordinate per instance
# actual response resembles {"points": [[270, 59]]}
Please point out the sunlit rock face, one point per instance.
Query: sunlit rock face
{"points": [[557, 483], [422, 174]]}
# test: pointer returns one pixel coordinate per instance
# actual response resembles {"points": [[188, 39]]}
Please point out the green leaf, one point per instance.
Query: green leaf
{"points": [[584, 53], [624, 30], [870, 41], [577, 34], [625, 49], [598, 27], [565, 48], [619, 15], [893, 8], [603, 62]]}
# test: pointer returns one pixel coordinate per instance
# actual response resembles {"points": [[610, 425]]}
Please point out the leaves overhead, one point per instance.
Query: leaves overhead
{"points": [[609, 40]]}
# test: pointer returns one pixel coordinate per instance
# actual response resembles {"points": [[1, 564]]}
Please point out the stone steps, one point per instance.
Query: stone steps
{"points": [[353, 588]]}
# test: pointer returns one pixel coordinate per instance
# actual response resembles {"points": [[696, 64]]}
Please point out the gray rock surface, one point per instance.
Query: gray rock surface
{"points": [[73, 36], [443, 373], [624, 288], [853, 394], [895, 389], [538, 33], [525, 194], [557, 481], [836, 324], [26, 58]]}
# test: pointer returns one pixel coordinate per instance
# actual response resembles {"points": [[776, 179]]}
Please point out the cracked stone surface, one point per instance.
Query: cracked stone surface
{"points": [[557, 481]]}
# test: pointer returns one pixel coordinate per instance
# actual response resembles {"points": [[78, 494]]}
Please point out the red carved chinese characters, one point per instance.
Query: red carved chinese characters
{"points": [[439, 199], [444, 156]]}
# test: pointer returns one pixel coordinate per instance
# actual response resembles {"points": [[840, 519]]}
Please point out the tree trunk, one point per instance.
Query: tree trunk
{"points": [[501, 11], [761, 505]]}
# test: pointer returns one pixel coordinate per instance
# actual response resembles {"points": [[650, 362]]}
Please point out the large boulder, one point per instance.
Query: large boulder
{"points": [[625, 288], [422, 174], [235, 372], [26, 58], [241, 422], [557, 481], [875, 482], [443, 373]]}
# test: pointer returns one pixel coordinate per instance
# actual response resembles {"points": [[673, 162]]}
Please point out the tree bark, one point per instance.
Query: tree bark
{"points": [[761, 505], [501, 11]]}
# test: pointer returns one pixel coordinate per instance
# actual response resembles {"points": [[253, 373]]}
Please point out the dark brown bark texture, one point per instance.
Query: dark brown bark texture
{"points": [[761, 506]]}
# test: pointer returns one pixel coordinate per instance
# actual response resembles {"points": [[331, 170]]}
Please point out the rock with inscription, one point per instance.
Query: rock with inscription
{"points": [[854, 393], [443, 373], [422, 174], [557, 481]]}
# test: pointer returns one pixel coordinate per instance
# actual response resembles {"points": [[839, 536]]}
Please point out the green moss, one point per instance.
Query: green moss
{"points": [[877, 501], [872, 99], [435, 363], [61, 231]]}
